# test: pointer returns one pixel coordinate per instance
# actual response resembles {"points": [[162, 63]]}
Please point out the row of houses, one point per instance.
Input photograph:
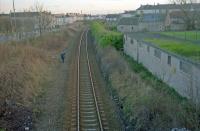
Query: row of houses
{"points": [[159, 18], [29, 21]]}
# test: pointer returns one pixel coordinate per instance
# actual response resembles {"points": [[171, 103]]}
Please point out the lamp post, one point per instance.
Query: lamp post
{"points": [[14, 15]]}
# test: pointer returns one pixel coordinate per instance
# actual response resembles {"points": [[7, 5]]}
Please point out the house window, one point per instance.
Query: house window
{"points": [[148, 49], [169, 60], [185, 67], [157, 53], [140, 44], [131, 41]]}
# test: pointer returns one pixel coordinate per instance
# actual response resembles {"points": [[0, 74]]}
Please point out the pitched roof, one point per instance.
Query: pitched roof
{"points": [[24, 14], [112, 16], [169, 6], [28, 14], [128, 21], [130, 12], [177, 14]]}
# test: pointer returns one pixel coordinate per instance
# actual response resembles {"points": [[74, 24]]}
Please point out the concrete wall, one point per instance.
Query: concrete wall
{"points": [[181, 74], [158, 26], [127, 28], [151, 26]]}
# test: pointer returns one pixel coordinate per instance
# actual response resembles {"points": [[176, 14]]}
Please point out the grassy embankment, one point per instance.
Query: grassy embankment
{"points": [[26, 68], [146, 102], [24, 65], [188, 35], [186, 49]]}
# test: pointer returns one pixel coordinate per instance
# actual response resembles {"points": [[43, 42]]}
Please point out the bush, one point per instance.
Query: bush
{"points": [[105, 36]]}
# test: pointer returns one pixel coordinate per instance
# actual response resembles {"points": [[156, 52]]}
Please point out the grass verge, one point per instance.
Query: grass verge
{"points": [[186, 49]]}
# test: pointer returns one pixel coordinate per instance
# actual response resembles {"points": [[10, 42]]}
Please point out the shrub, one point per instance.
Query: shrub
{"points": [[105, 36]]}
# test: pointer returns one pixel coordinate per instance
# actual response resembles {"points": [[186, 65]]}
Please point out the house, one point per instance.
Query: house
{"points": [[128, 24], [152, 22], [131, 13], [29, 21], [178, 72], [112, 17], [61, 19], [145, 22], [175, 21], [5, 23], [165, 8]]}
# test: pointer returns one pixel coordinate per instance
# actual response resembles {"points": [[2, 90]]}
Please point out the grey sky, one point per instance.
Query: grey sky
{"points": [[86, 6]]}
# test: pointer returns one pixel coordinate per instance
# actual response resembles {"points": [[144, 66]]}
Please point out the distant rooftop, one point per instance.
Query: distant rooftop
{"points": [[27, 14], [169, 6], [112, 16], [4, 15], [130, 12]]}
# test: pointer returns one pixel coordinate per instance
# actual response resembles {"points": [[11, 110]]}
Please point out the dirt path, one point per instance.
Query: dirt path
{"points": [[54, 102]]}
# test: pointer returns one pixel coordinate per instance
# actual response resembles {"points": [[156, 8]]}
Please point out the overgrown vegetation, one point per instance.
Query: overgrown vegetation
{"points": [[147, 103], [106, 37], [186, 49], [25, 69]]}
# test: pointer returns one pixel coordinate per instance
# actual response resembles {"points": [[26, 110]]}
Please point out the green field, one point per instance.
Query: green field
{"points": [[187, 35], [186, 49]]}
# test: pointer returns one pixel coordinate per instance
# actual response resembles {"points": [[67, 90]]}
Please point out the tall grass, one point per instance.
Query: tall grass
{"points": [[22, 69], [105, 36], [25, 65]]}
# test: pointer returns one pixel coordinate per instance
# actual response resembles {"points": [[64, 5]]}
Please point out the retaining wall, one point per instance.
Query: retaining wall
{"points": [[180, 73]]}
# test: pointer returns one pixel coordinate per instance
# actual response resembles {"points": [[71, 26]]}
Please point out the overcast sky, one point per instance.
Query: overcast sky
{"points": [[86, 6]]}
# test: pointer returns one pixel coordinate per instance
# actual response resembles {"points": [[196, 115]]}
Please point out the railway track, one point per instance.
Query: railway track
{"points": [[87, 107]]}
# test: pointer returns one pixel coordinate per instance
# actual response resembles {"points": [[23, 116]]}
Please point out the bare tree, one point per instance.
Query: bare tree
{"points": [[44, 18], [190, 13]]}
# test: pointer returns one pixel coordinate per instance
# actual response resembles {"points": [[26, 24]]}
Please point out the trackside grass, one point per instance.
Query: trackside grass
{"points": [[186, 49]]}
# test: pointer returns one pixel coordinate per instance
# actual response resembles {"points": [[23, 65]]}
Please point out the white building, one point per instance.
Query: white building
{"points": [[165, 8], [128, 24]]}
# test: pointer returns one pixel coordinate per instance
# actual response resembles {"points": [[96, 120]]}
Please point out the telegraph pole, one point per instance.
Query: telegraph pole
{"points": [[14, 15]]}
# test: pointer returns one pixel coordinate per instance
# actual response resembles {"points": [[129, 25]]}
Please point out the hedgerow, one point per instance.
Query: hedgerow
{"points": [[105, 36]]}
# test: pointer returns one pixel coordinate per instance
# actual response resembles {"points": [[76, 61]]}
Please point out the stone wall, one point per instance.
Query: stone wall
{"points": [[142, 26], [127, 28], [178, 72]]}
